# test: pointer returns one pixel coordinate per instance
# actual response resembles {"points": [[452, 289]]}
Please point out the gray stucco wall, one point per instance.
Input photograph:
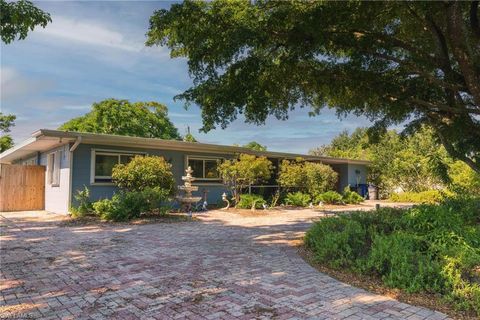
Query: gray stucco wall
{"points": [[82, 169]]}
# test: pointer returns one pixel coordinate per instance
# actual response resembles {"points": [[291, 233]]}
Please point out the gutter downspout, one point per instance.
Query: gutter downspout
{"points": [[75, 145], [70, 182]]}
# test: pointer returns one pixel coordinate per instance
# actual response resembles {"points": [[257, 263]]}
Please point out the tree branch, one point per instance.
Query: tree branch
{"points": [[461, 51], [451, 150], [441, 107], [411, 67], [474, 24]]}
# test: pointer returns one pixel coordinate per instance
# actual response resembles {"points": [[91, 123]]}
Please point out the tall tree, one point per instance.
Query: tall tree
{"points": [[395, 62], [6, 122], [20, 17], [112, 116], [413, 163], [254, 145]]}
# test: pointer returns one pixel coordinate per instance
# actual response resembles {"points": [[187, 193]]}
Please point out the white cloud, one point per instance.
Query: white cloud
{"points": [[90, 33], [14, 85]]}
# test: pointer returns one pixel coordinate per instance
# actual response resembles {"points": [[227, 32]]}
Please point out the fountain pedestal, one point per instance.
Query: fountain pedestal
{"points": [[187, 199]]}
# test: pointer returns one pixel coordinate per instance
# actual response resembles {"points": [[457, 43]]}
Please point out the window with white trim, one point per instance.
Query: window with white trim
{"points": [[204, 168], [53, 168], [104, 161]]}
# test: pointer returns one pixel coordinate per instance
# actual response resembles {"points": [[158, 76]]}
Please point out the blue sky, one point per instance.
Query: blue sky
{"points": [[95, 50]]}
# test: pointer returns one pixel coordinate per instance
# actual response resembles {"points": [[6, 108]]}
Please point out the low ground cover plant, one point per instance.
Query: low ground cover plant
{"points": [[300, 199], [351, 197], [428, 248], [84, 206], [251, 201], [430, 196], [297, 199], [126, 205], [329, 197]]}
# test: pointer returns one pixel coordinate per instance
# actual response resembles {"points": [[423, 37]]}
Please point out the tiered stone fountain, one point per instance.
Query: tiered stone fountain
{"points": [[187, 199]]}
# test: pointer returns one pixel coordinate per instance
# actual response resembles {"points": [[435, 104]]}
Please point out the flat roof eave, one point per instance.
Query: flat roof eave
{"points": [[57, 137]]}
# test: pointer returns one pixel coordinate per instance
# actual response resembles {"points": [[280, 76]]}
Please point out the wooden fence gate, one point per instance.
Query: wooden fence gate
{"points": [[22, 187]]}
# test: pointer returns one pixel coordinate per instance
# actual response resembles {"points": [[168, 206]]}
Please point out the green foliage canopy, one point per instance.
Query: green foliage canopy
{"points": [[395, 62], [189, 138], [429, 248], [121, 117], [18, 18], [313, 178], [144, 172], [415, 163], [6, 122], [255, 146], [238, 174]]}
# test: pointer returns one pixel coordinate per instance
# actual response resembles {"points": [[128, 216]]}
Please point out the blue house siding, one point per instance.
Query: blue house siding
{"points": [[82, 170], [75, 167]]}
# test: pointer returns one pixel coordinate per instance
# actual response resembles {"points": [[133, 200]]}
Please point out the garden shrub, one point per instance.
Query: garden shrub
{"points": [[429, 248], [298, 199], [462, 275], [144, 172], [247, 201], [320, 178], [351, 197], [330, 197], [292, 174], [313, 178], [127, 205], [430, 196], [238, 174], [84, 206], [403, 261], [337, 241]]}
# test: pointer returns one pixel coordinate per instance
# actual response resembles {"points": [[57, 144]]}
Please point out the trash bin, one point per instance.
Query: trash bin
{"points": [[372, 192], [362, 189]]}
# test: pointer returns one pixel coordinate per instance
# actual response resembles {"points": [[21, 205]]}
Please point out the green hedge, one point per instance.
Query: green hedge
{"points": [[429, 248]]}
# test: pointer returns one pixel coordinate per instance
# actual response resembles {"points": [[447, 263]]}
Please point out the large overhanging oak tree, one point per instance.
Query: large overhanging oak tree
{"points": [[17, 18], [395, 62]]}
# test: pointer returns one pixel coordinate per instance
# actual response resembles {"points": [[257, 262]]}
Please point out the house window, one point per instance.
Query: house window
{"points": [[53, 168], [103, 163], [204, 168]]}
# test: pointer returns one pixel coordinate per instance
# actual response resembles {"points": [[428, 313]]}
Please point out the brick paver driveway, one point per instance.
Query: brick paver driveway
{"points": [[223, 267]]}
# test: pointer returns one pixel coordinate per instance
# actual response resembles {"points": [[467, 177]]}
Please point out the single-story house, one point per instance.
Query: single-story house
{"points": [[74, 160]]}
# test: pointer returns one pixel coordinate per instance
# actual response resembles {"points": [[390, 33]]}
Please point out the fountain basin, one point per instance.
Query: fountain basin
{"points": [[189, 199], [186, 188]]}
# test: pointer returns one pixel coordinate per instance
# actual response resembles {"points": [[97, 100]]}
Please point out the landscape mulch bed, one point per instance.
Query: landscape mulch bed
{"points": [[375, 285], [284, 209], [144, 219]]}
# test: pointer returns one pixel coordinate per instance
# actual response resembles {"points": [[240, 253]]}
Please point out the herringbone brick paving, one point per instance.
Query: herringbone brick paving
{"points": [[223, 267]]}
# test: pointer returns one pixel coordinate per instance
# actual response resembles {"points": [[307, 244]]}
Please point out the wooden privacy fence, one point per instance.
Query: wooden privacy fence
{"points": [[22, 187]]}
